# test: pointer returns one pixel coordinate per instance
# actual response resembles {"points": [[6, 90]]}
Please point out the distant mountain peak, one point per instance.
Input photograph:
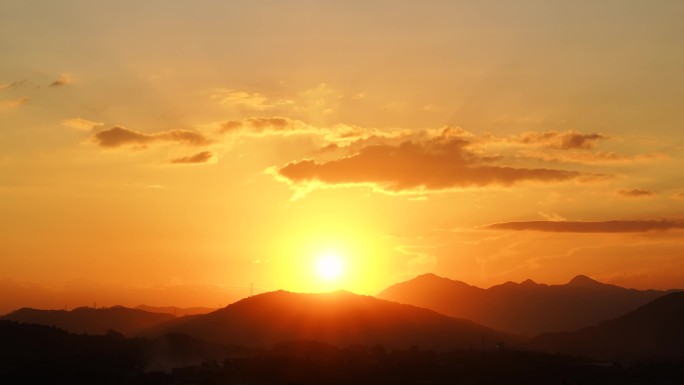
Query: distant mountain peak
{"points": [[432, 277], [528, 282], [429, 276], [583, 280]]}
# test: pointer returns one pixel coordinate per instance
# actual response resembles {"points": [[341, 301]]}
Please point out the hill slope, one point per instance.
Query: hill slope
{"points": [[91, 321], [176, 311], [338, 318], [527, 308], [653, 330]]}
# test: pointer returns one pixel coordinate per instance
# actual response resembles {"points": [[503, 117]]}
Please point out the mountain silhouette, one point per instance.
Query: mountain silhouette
{"points": [[527, 308], [654, 330], [90, 320], [176, 311], [338, 318]]}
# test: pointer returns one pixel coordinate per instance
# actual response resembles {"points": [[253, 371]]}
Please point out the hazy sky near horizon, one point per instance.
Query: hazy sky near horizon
{"points": [[154, 148]]}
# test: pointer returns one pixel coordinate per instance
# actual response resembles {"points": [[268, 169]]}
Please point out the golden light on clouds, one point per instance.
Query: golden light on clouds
{"points": [[181, 143]]}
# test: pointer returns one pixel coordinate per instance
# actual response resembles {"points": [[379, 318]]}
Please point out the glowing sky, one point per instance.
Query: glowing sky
{"points": [[178, 151]]}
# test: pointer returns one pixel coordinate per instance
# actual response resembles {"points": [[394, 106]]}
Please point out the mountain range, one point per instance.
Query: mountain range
{"points": [[91, 320], [599, 320], [527, 308]]}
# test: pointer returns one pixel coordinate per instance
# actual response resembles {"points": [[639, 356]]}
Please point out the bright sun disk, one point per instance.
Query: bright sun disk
{"points": [[329, 267]]}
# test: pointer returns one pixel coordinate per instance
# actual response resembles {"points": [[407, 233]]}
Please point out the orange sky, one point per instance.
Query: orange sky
{"points": [[176, 152]]}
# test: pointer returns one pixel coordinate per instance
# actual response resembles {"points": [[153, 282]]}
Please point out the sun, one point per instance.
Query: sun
{"points": [[329, 267]]}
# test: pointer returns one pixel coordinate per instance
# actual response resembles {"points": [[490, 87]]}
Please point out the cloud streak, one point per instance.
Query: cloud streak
{"points": [[200, 157], [81, 124], [560, 140], [635, 193], [264, 126], [616, 226], [121, 136], [248, 100]]}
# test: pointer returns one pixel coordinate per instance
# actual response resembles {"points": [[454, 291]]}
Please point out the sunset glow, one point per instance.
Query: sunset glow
{"points": [[165, 152]]}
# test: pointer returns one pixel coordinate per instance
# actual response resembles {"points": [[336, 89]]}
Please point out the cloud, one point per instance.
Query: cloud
{"points": [[248, 100], [617, 226], [439, 163], [62, 81], [80, 124], [14, 103], [121, 136], [635, 193], [553, 217], [596, 157], [560, 140], [14, 85], [338, 134], [200, 157], [264, 126]]}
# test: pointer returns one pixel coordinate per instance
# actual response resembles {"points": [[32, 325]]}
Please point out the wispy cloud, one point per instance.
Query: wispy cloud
{"points": [[560, 140], [594, 157], [635, 193], [13, 103], [264, 126], [81, 124], [15, 85], [616, 226], [200, 157], [248, 100]]}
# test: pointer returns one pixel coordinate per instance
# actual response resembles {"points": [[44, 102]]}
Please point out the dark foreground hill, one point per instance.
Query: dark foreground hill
{"points": [[36, 354], [655, 330], [41, 354], [90, 320], [338, 318], [527, 308]]}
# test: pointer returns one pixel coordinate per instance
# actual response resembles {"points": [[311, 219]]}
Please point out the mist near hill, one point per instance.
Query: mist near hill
{"points": [[654, 330]]}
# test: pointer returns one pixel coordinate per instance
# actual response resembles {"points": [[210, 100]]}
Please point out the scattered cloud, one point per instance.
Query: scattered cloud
{"points": [[248, 100], [439, 163], [61, 81], [553, 217], [560, 140], [13, 103], [14, 85], [596, 157], [635, 193], [616, 226], [121, 136], [264, 126], [200, 157], [338, 134], [81, 124]]}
